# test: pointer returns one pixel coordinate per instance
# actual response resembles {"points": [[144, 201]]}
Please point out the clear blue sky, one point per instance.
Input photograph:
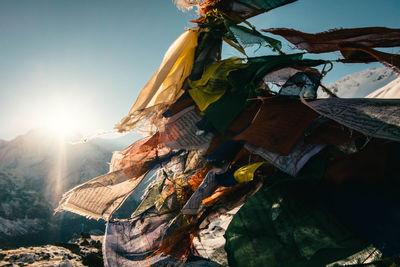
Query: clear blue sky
{"points": [[92, 57]]}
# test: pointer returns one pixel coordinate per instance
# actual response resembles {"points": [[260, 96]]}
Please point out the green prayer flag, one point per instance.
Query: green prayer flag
{"points": [[244, 83], [287, 225], [213, 83], [247, 37]]}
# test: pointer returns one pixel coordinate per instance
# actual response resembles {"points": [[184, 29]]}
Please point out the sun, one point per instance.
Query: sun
{"points": [[61, 119], [61, 122], [64, 116]]}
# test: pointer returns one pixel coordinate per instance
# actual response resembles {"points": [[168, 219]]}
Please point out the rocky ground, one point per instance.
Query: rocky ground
{"points": [[82, 251]]}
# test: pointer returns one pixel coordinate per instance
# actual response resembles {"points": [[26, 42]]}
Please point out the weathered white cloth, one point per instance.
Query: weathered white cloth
{"points": [[194, 205], [180, 131], [101, 196], [291, 163], [378, 118], [132, 242]]}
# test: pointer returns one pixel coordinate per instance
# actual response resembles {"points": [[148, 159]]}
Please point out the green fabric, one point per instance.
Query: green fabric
{"points": [[222, 112], [287, 225], [265, 5], [151, 197], [213, 83], [245, 37], [243, 86], [209, 45], [260, 66]]}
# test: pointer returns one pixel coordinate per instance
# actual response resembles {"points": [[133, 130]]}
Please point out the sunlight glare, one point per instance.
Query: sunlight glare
{"points": [[61, 122], [61, 119]]}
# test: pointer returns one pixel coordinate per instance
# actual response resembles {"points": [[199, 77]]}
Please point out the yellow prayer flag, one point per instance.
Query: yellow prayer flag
{"points": [[246, 173]]}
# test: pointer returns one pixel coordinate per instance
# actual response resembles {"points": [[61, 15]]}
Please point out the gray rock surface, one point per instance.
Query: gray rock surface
{"points": [[83, 251]]}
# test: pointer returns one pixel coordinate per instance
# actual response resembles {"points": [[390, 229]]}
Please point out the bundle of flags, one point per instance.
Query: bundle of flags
{"points": [[317, 179]]}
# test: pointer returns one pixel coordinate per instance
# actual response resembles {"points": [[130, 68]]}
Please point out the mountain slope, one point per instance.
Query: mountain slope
{"points": [[391, 90], [2, 143], [35, 170], [361, 84]]}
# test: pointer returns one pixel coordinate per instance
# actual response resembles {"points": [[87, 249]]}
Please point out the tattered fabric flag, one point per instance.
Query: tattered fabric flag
{"points": [[207, 52], [176, 172], [278, 125], [248, 78], [132, 242], [101, 196], [225, 199], [378, 118], [180, 131], [246, 173], [214, 82], [265, 5], [165, 86], [361, 167], [373, 174], [241, 37], [232, 8], [248, 37], [288, 225], [354, 44], [291, 163], [182, 103], [361, 54], [151, 196], [244, 83], [330, 132], [139, 157], [279, 77], [137, 241], [303, 84], [243, 9], [330, 41], [194, 205]]}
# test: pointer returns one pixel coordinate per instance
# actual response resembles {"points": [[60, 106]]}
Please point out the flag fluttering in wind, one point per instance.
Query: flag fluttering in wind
{"points": [[317, 178]]}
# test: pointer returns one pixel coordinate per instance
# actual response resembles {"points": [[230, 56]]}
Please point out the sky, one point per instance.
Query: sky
{"points": [[83, 62]]}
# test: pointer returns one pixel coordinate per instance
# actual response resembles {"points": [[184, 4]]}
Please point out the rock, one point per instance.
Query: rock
{"points": [[84, 243], [93, 259], [85, 235], [60, 255], [65, 263]]}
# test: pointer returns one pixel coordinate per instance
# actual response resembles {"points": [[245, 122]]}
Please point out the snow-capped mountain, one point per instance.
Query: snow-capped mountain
{"points": [[391, 90], [363, 83]]}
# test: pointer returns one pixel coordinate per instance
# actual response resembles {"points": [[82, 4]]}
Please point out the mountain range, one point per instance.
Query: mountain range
{"points": [[35, 170]]}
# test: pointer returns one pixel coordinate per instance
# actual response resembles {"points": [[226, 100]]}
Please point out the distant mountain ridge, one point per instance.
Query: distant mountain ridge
{"points": [[35, 170], [3, 143]]}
